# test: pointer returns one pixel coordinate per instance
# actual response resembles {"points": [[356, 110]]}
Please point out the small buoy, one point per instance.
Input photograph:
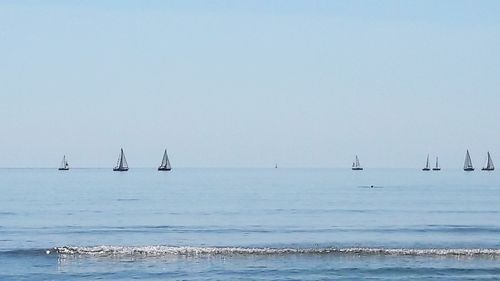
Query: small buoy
{"points": [[47, 252]]}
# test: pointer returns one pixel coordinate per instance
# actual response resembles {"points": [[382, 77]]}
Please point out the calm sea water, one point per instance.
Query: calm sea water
{"points": [[237, 224]]}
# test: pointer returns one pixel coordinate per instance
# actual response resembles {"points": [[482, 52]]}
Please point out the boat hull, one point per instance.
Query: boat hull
{"points": [[63, 169], [486, 169], [469, 169], [436, 169], [357, 169], [164, 169], [120, 169], [426, 169]]}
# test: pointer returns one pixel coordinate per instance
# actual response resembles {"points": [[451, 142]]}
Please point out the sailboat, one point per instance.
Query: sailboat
{"points": [[427, 165], [276, 166], [355, 165], [165, 163], [64, 164], [121, 164], [437, 168], [489, 164], [468, 162]]}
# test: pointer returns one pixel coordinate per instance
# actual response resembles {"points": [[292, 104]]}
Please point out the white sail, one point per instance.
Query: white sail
{"points": [[121, 164], [468, 162], [124, 163], [489, 163], [427, 165], [356, 165], [118, 161], [64, 164], [437, 164], [165, 162]]}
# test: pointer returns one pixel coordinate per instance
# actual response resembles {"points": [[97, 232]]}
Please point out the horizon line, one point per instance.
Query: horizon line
{"points": [[225, 167]]}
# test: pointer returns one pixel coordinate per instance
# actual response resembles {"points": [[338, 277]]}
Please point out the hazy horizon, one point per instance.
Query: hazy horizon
{"points": [[249, 83]]}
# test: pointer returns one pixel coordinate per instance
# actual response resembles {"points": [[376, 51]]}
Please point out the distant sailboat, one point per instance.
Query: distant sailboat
{"points": [[427, 165], [64, 164], [468, 162], [276, 166], [165, 163], [437, 168], [121, 164], [489, 164], [355, 165]]}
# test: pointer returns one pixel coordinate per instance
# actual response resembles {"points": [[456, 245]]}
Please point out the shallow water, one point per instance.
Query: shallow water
{"points": [[226, 224]]}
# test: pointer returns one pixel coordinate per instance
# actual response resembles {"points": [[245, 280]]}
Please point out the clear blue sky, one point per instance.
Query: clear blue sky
{"points": [[249, 83]]}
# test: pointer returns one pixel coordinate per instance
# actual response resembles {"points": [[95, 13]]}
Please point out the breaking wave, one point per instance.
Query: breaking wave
{"points": [[158, 251]]}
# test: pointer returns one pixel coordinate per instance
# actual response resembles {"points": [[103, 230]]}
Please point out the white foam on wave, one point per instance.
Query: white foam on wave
{"points": [[226, 251]]}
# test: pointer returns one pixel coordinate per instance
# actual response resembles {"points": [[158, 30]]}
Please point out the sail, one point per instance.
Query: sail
{"points": [[64, 163], [427, 165], [489, 163], [122, 161], [118, 161], [165, 162], [356, 165], [168, 164], [437, 163], [468, 162]]}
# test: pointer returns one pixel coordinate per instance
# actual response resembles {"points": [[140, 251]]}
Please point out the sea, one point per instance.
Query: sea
{"points": [[249, 224]]}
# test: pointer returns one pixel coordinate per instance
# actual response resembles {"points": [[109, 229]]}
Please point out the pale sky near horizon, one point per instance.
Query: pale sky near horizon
{"points": [[249, 83]]}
